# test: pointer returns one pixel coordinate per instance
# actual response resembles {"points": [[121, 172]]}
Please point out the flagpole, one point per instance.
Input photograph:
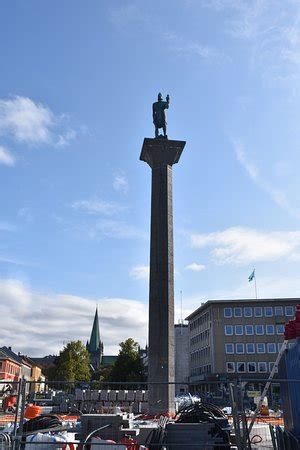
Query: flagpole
{"points": [[255, 285]]}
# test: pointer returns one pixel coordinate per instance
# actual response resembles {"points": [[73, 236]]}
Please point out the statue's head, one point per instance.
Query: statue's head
{"points": [[159, 97]]}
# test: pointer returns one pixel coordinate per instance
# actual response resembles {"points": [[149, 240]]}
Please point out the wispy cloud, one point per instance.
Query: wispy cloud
{"points": [[277, 195], [98, 206], [120, 182], [195, 267], [7, 226], [25, 214], [186, 48], [6, 157], [271, 27], [134, 17], [114, 229], [127, 14], [32, 123], [238, 245], [139, 273], [24, 307]]}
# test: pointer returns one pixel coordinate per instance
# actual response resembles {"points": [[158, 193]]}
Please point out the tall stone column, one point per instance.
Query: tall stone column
{"points": [[160, 154]]}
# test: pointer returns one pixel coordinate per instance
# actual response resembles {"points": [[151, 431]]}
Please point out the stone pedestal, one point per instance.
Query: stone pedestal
{"points": [[160, 154]]}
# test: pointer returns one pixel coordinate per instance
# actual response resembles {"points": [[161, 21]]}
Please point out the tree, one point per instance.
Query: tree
{"points": [[129, 365], [73, 363]]}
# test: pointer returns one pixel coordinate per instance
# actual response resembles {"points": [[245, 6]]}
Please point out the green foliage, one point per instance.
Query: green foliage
{"points": [[128, 366], [72, 364]]}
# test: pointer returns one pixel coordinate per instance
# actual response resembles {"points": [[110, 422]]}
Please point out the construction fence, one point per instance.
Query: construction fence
{"points": [[208, 415]]}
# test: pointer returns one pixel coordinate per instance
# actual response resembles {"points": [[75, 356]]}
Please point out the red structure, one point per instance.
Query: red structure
{"points": [[292, 328]]}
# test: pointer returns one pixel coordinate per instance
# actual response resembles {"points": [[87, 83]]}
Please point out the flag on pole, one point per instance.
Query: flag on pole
{"points": [[251, 276]]}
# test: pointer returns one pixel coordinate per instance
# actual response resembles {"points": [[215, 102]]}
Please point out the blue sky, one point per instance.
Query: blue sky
{"points": [[77, 83]]}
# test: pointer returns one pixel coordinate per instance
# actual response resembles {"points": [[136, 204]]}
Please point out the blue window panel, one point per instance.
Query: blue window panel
{"points": [[280, 329], [237, 312], [227, 312], [239, 348], [247, 312], [278, 310], [270, 329], [250, 348], [228, 330], [229, 348], [258, 311], [260, 347], [271, 347], [289, 311], [259, 330], [239, 330], [249, 330], [268, 311]]}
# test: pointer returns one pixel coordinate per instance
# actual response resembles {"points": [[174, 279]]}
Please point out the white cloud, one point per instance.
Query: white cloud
{"points": [[6, 157], [32, 123], [140, 273], [42, 322], [195, 267], [277, 195], [98, 206], [240, 245], [120, 182]]}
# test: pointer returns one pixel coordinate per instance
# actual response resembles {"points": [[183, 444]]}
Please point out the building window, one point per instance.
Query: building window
{"points": [[280, 329], [237, 312], [268, 311], [247, 312], [250, 348], [278, 311], [228, 330], [270, 329], [258, 311], [240, 367], [229, 348], [271, 347], [227, 312], [262, 366], [259, 330], [271, 365], [289, 311], [239, 330], [239, 348], [260, 347], [251, 367], [279, 345], [230, 367], [249, 330]]}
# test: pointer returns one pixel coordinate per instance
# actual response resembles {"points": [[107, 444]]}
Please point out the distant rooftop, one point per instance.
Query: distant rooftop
{"points": [[241, 300]]}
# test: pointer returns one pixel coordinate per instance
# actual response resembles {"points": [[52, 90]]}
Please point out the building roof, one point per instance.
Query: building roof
{"points": [[94, 343], [45, 361], [205, 305], [9, 354], [108, 360], [30, 361]]}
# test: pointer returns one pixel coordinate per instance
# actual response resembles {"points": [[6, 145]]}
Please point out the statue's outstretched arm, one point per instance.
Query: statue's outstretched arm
{"points": [[167, 101]]}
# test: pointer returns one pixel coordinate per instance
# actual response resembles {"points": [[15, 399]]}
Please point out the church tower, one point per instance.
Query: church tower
{"points": [[95, 346]]}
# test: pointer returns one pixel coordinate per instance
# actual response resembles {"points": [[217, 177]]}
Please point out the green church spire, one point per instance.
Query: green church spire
{"points": [[95, 335]]}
